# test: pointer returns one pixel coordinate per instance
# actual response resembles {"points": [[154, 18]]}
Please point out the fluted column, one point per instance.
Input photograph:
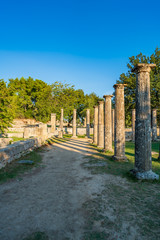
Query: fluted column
{"points": [[113, 119], [133, 124], [101, 124], [119, 130], [61, 120], [53, 122], [143, 157], [95, 130], [108, 123], [88, 123], [74, 124], [154, 125], [85, 122]]}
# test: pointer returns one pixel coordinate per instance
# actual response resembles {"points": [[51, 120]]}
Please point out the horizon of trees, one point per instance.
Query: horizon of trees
{"points": [[29, 98]]}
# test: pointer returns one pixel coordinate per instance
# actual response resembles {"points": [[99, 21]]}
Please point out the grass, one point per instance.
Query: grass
{"points": [[121, 168], [125, 205], [37, 236], [81, 136], [16, 139], [15, 169], [12, 131]]}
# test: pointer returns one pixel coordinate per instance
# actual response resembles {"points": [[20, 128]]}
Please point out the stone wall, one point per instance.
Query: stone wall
{"points": [[5, 141], [16, 150]]}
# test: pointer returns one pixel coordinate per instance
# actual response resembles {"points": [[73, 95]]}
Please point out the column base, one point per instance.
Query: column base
{"points": [[146, 175], [74, 137], [120, 158], [108, 150], [94, 143], [100, 146]]}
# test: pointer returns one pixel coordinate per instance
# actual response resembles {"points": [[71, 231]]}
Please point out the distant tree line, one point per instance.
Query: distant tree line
{"points": [[29, 98], [129, 78]]}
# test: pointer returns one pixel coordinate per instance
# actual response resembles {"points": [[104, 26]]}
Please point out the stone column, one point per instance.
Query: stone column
{"points": [[85, 122], [108, 123], [101, 124], [88, 123], [95, 129], [133, 124], [61, 120], [113, 119], [143, 157], [53, 122], [119, 127], [154, 125], [74, 124]]}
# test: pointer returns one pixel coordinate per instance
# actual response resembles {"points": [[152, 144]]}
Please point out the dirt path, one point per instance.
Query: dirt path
{"points": [[50, 199]]}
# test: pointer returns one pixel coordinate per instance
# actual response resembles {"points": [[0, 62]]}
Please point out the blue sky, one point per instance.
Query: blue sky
{"points": [[85, 43]]}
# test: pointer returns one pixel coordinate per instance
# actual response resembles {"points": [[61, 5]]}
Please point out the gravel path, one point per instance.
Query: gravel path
{"points": [[50, 199]]}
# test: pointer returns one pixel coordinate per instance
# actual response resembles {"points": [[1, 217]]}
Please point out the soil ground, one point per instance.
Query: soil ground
{"points": [[64, 200]]}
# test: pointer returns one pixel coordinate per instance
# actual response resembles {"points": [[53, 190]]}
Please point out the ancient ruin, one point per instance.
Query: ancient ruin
{"points": [[154, 125], [143, 157], [53, 122], [101, 124], [88, 123], [74, 124], [108, 123], [95, 129], [119, 135], [113, 119], [133, 124], [61, 120]]}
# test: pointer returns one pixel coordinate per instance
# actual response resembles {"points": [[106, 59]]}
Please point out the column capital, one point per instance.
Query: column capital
{"points": [[101, 102], [143, 67], [119, 86], [53, 114], [107, 96], [95, 106]]}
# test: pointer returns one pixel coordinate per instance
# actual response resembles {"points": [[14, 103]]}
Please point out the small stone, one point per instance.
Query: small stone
{"points": [[26, 161]]}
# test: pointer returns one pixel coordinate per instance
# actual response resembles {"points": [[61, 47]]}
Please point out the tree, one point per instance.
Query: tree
{"points": [[6, 111], [130, 79]]}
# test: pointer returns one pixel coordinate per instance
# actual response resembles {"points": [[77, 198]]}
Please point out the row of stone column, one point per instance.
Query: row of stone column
{"points": [[103, 129], [110, 125]]}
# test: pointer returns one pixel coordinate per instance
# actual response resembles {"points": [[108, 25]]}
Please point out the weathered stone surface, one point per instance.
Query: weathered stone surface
{"points": [[26, 162], [74, 129], [108, 123], [143, 158], [16, 150], [60, 134], [53, 122], [101, 124], [119, 129], [88, 123], [154, 125], [61, 120], [85, 122], [113, 119], [5, 141], [133, 124], [95, 128]]}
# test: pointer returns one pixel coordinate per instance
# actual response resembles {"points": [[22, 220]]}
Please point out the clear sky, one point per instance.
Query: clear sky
{"points": [[82, 42]]}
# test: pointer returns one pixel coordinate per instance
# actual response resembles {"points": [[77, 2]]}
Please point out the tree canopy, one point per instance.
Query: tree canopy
{"points": [[29, 98], [129, 78]]}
